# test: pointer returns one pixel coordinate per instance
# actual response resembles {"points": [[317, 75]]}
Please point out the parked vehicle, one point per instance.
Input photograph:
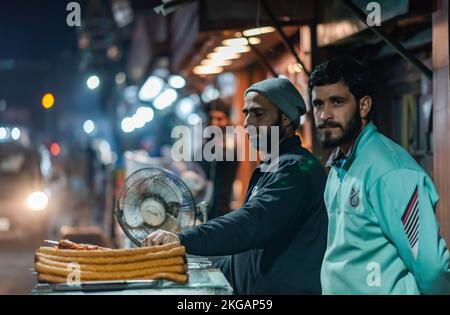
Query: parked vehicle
{"points": [[25, 200]]}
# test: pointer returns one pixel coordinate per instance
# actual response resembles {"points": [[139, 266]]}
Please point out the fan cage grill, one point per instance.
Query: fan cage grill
{"points": [[162, 185]]}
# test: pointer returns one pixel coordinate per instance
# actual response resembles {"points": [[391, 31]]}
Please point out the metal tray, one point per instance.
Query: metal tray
{"points": [[100, 286]]}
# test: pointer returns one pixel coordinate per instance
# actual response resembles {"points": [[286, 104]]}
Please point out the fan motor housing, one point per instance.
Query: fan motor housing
{"points": [[153, 212]]}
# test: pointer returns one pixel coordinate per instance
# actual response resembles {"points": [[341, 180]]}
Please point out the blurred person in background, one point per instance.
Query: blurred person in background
{"points": [[221, 173]]}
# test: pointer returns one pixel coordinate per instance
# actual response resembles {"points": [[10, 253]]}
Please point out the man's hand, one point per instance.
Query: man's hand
{"points": [[161, 237]]}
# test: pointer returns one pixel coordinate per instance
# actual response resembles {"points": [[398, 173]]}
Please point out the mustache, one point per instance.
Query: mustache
{"points": [[329, 124]]}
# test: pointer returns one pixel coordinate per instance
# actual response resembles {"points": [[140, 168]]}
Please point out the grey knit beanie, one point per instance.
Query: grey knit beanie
{"points": [[283, 94]]}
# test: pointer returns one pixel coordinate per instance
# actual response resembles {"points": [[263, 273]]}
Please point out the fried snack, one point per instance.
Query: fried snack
{"points": [[95, 263], [44, 277], [173, 252], [178, 278], [67, 244], [116, 267], [106, 253], [121, 275]]}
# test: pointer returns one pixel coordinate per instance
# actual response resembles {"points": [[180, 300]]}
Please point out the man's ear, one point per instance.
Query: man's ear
{"points": [[365, 105], [285, 121]]}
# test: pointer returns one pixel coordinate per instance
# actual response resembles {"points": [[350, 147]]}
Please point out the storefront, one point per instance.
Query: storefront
{"points": [[411, 106]]}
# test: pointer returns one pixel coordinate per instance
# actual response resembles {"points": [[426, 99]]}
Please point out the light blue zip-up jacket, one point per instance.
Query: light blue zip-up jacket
{"points": [[383, 235]]}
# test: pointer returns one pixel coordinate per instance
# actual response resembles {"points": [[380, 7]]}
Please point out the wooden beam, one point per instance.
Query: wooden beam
{"points": [[441, 114]]}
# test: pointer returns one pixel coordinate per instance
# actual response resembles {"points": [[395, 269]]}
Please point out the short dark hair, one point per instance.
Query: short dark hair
{"points": [[354, 74], [217, 105]]}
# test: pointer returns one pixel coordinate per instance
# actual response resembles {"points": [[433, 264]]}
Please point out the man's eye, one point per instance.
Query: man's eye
{"points": [[317, 105], [338, 102]]}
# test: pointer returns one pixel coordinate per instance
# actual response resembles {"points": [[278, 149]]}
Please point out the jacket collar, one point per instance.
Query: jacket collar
{"points": [[286, 146], [339, 159]]}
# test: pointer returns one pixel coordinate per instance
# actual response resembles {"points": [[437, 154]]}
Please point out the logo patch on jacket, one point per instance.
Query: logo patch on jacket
{"points": [[410, 222], [354, 198]]}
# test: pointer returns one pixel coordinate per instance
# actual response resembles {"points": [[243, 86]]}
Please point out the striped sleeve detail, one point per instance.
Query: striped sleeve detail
{"points": [[410, 222]]}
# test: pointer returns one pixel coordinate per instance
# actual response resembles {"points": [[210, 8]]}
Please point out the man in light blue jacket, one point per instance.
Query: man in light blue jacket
{"points": [[383, 235]]}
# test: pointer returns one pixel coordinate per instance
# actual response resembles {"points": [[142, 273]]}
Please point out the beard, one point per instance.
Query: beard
{"points": [[262, 140], [349, 133]]}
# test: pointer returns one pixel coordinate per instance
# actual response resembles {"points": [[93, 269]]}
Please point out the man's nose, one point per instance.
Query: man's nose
{"points": [[326, 113], [246, 121], [249, 121]]}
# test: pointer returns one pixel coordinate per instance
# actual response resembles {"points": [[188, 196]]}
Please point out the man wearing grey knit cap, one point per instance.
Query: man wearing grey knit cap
{"points": [[273, 244], [273, 98], [284, 95]]}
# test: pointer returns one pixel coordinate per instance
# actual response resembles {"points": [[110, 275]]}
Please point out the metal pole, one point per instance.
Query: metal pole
{"points": [[283, 35], [390, 41]]}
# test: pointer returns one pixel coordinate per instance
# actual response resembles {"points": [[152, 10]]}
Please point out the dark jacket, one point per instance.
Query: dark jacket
{"points": [[278, 238]]}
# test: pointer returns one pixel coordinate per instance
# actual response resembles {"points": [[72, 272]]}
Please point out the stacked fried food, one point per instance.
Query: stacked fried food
{"points": [[62, 263], [66, 244]]}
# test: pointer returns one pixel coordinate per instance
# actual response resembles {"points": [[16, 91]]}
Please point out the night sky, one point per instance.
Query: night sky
{"points": [[39, 54]]}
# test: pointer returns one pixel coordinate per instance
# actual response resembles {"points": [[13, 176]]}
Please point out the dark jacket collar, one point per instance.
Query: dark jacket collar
{"points": [[288, 145]]}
